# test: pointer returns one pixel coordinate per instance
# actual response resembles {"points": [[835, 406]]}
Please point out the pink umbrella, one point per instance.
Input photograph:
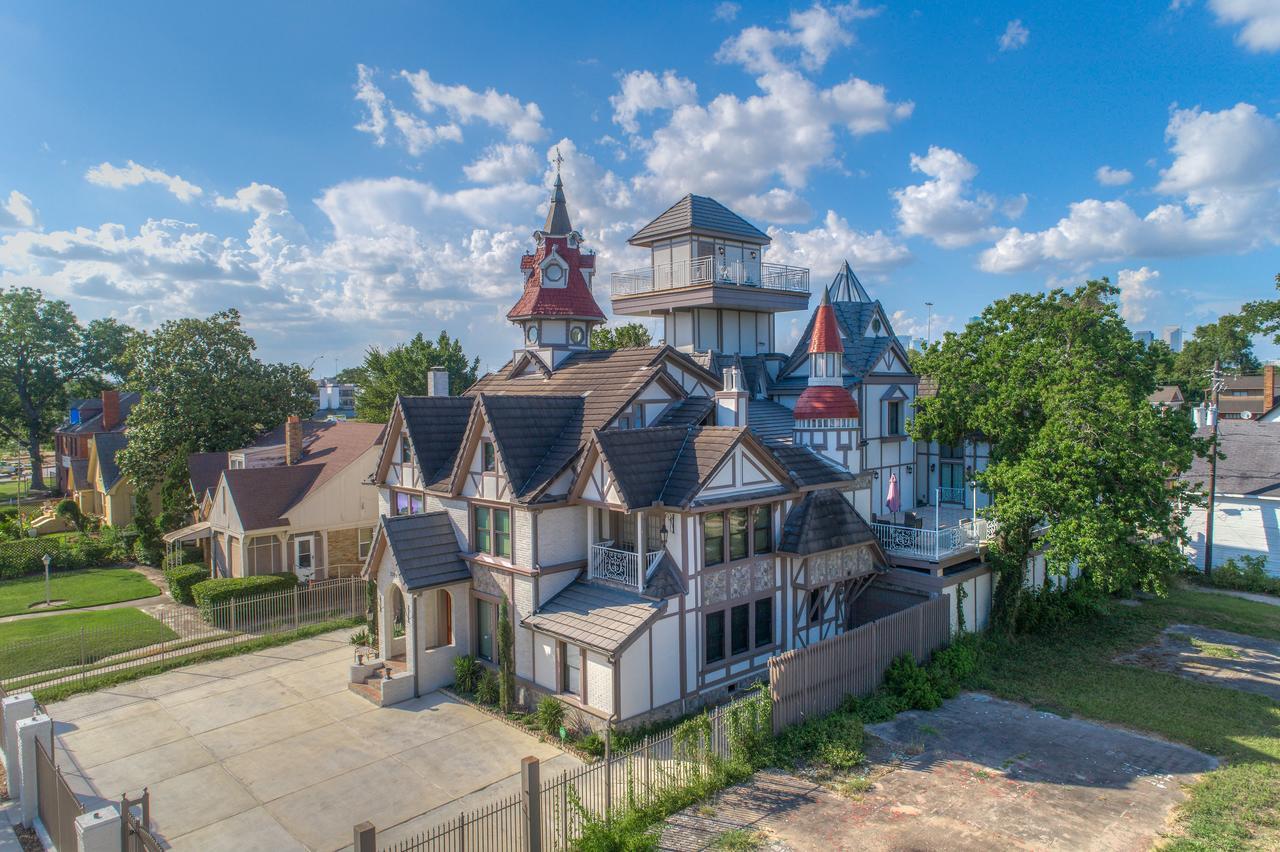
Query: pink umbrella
{"points": [[892, 500]]}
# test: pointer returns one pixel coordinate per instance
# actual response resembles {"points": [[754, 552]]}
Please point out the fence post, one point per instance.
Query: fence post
{"points": [[82, 659], [531, 792], [366, 837], [295, 609], [608, 770]]}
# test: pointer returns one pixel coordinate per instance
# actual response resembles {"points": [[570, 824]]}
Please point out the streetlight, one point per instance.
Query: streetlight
{"points": [[48, 601], [928, 332]]}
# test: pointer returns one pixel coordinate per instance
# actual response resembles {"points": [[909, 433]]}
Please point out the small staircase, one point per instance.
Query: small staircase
{"points": [[371, 687]]}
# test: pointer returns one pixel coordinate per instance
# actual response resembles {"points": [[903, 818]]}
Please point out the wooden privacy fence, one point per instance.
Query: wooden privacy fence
{"points": [[813, 681], [177, 631]]}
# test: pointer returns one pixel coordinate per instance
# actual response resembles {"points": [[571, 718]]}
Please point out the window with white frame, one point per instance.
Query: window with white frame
{"points": [[364, 538]]}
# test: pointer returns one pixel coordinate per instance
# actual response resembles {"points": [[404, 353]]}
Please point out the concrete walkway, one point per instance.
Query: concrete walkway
{"points": [[1270, 600], [271, 751], [157, 600]]}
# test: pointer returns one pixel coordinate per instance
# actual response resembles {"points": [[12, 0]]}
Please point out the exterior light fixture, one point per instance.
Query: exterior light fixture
{"points": [[662, 532]]}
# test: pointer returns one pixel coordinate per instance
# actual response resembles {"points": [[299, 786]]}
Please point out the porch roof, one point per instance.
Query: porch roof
{"points": [[425, 549], [599, 617], [823, 520], [191, 532]]}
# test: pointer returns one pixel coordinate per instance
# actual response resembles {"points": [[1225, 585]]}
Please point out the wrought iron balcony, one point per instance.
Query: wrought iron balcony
{"points": [[934, 545], [621, 566], [701, 271]]}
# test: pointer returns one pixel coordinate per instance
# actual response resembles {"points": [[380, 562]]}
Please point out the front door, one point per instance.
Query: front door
{"points": [[304, 557], [952, 482]]}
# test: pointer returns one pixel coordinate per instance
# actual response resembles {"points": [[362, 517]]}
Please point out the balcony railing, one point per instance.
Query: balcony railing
{"points": [[710, 270], [952, 495], [933, 545], [621, 566]]}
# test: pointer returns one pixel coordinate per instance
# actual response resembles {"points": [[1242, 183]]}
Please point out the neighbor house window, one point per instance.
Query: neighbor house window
{"points": [[748, 533], [489, 461], [264, 555], [713, 539], [740, 629], [364, 536], [486, 618], [493, 531], [764, 622], [815, 606], [571, 670], [406, 452]]}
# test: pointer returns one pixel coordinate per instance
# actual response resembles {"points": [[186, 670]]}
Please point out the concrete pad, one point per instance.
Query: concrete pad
{"points": [[147, 768], [385, 793], [412, 723], [233, 706], [325, 679], [1246, 663], [301, 649], [190, 801], [231, 740], [89, 704], [106, 743], [344, 705], [133, 710], [161, 684], [297, 762], [248, 831], [477, 756], [227, 667]]}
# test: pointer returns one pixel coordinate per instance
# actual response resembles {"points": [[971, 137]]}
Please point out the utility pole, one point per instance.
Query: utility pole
{"points": [[1215, 389], [928, 326]]}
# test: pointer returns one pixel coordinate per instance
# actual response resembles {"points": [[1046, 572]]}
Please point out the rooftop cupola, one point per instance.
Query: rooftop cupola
{"points": [[708, 280], [826, 414], [557, 312]]}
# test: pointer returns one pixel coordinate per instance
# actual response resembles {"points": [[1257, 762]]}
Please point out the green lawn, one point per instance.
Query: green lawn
{"points": [[90, 587], [1070, 672], [60, 640]]}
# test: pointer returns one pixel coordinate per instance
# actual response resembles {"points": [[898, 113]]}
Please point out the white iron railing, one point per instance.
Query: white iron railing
{"points": [[932, 545], [951, 495], [622, 566], [710, 270]]}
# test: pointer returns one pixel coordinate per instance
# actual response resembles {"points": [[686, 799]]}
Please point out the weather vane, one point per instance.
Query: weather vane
{"points": [[559, 159]]}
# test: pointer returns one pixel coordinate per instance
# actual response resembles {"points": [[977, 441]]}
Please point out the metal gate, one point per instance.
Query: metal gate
{"points": [[57, 805], [135, 831]]}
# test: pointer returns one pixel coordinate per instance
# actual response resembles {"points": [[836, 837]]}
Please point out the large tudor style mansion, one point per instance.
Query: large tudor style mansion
{"points": [[662, 520]]}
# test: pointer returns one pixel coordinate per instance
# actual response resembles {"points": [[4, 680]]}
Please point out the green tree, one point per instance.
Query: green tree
{"points": [[348, 376], [1227, 340], [506, 659], [204, 391], [628, 336], [404, 370], [1057, 387], [43, 351]]}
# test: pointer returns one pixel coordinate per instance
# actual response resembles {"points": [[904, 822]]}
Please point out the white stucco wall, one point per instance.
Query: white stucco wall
{"points": [[599, 675], [544, 661], [634, 674], [435, 665], [1242, 526], [666, 671], [523, 603]]}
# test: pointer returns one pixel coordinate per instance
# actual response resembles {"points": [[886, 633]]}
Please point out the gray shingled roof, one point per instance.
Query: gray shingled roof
{"points": [[600, 617], [558, 223], [436, 426], [770, 420], [79, 474], [109, 444], [204, 471], [91, 414], [807, 467], [823, 520], [1252, 459], [846, 287], [699, 215], [666, 464], [860, 352], [426, 550], [690, 411], [525, 431]]}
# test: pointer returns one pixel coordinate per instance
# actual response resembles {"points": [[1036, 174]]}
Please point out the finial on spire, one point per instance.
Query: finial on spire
{"points": [[558, 222], [559, 160]]}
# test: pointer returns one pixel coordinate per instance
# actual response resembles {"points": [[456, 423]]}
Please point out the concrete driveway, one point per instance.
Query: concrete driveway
{"points": [[270, 751]]}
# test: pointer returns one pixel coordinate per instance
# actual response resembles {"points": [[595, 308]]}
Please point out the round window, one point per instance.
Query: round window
{"points": [[875, 325], [553, 273], [531, 334], [576, 334]]}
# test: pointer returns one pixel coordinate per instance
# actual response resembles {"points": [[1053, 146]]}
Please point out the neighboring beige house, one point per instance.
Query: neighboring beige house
{"points": [[300, 504], [101, 489]]}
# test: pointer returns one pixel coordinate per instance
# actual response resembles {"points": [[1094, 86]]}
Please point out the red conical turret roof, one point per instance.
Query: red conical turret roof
{"points": [[826, 334], [567, 298], [820, 402]]}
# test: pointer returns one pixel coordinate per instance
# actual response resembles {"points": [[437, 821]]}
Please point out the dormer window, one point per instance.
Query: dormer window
{"points": [[553, 273], [876, 326]]}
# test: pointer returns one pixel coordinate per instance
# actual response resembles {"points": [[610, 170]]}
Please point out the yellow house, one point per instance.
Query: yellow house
{"points": [[107, 493]]}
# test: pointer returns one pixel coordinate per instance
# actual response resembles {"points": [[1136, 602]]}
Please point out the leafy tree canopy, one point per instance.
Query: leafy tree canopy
{"points": [[45, 353], [404, 370], [1057, 386], [1227, 340], [204, 391], [348, 376], [628, 336]]}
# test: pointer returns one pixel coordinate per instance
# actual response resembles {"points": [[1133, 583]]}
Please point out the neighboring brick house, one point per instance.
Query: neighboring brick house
{"points": [[296, 500], [1250, 397], [86, 418]]}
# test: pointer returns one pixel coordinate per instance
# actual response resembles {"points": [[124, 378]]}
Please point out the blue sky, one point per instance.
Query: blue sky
{"points": [[348, 175]]}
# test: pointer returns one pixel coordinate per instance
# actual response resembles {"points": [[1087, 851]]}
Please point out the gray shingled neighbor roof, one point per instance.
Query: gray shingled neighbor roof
{"points": [[426, 550], [91, 414], [79, 474], [436, 426], [108, 444], [823, 520], [600, 617], [204, 471], [1252, 459], [807, 467], [699, 215]]}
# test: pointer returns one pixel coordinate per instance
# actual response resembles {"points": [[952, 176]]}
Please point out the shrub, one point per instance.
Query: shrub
{"points": [[911, 685], [592, 744], [70, 512], [360, 638], [951, 666], [833, 741], [208, 594], [550, 715], [181, 578], [487, 688], [879, 706], [506, 659], [466, 673], [1242, 573]]}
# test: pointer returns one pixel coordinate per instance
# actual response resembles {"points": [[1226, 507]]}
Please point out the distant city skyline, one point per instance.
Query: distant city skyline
{"points": [[364, 178]]}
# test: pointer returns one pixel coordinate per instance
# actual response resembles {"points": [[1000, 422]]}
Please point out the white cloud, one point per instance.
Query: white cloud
{"points": [[1224, 183], [1136, 293], [1108, 176], [814, 33], [257, 197], [132, 174], [823, 248], [521, 121], [643, 91], [503, 163], [1260, 18], [944, 208], [1014, 37], [726, 11], [915, 326], [17, 212], [375, 104]]}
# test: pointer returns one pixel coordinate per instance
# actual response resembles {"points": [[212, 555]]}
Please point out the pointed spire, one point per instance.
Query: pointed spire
{"points": [[826, 333], [846, 287], [558, 223]]}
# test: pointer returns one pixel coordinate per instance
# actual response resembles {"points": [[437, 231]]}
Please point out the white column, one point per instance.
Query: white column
{"points": [[13, 709], [99, 831], [640, 543], [414, 639], [591, 537], [38, 726]]}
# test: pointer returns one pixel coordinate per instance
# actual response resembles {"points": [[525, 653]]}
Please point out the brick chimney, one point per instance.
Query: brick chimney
{"points": [[438, 382], [1268, 387], [292, 439], [110, 409]]}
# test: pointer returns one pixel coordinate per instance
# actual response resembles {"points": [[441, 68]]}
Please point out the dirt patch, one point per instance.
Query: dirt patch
{"points": [[1213, 656]]}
